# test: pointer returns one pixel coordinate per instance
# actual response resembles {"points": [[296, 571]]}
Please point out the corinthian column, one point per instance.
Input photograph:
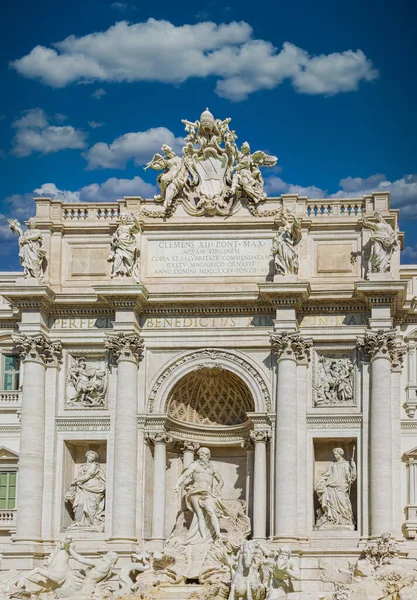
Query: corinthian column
{"points": [[160, 440], [188, 449], [36, 352], [381, 346], [128, 349], [289, 347], [260, 439]]}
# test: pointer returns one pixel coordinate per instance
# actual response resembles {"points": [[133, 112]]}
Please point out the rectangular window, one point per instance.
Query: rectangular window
{"points": [[7, 490], [11, 368]]}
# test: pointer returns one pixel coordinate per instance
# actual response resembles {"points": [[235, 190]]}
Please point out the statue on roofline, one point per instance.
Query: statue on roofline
{"points": [[384, 242], [212, 174], [31, 248]]}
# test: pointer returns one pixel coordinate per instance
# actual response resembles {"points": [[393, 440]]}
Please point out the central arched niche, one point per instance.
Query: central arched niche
{"points": [[210, 396]]}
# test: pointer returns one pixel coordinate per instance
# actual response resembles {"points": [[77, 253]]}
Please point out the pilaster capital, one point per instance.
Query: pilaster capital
{"points": [[291, 346], [260, 435], [188, 446], [125, 346], [382, 344], [159, 437], [38, 348]]}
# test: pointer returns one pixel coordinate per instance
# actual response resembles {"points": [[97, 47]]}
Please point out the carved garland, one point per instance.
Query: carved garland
{"points": [[214, 355]]}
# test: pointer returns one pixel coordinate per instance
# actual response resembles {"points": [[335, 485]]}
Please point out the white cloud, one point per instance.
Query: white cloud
{"points": [[160, 51], [34, 133], [98, 94], [110, 190], [138, 146], [94, 124], [120, 6], [403, 191]]}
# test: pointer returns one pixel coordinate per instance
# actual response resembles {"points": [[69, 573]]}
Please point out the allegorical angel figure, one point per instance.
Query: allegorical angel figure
{"points": [[247, 177], [284, 246], [31, 249], [174, 177], [384, 242]]}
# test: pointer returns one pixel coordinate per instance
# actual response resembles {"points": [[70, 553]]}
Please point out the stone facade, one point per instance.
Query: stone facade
{"points": [[301, 382]]}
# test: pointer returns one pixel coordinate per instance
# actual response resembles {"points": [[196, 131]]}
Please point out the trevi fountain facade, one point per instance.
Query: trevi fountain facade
{"points": [[209, 394]]}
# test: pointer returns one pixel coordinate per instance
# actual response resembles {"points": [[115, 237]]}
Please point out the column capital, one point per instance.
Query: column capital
{"points": [[291, 346], [260, 435], [125, 346], [382, 344], [188, 446], [38, 348], [159, 437]]}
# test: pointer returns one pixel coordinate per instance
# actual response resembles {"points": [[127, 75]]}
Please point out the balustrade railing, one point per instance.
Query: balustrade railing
{"points": [[101, 211], [7, 518], [9, 398]]}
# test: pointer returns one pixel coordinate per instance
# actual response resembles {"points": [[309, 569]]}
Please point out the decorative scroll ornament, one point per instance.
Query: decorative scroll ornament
{"points": [[260, 435], [31, 249], [159, 437], [124, 252], [125, 346], [212, 174], [384, 241], [38, 348], [291, 345], [377, 344]]}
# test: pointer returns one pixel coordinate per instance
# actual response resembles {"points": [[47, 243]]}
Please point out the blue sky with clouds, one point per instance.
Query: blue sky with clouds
{"points": [[92, 89]]}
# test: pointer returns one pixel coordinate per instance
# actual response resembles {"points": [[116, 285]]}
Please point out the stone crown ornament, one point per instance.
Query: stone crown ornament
{"points": [[212, 174]]}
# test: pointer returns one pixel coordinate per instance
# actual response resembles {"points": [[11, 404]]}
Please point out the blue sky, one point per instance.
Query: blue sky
{"points": [[91, 89]]}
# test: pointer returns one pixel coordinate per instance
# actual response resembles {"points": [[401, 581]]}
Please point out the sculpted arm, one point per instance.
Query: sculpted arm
{"points": [[81, 559], [294, 569], [219, 479], [184, 476]]}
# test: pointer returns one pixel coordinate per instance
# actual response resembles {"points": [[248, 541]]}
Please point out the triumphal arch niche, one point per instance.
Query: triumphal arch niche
{"points": [[210, 393]]}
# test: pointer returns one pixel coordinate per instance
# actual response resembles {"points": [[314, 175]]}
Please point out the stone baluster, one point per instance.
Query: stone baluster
{"points": [[128, 350], [188, 449], [160, 440], [37, 352], [381, 347], [260, 439], [289, 348]]}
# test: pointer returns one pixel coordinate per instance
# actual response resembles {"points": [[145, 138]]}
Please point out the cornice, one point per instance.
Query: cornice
{"points": [[82, 423], [334, 421], [29, 297]]}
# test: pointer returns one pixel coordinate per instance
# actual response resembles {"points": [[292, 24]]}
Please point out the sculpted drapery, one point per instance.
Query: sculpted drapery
{"points": [[333, 491], [87, 495]]}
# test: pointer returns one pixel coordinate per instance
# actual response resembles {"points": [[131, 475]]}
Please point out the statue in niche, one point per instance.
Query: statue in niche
{"points": [[203, 498], [86, 495], [89, 383], [384, 241], [333, 491], [284, 245], [31, 249], [124, 253], [334, 381], [247, 178]]}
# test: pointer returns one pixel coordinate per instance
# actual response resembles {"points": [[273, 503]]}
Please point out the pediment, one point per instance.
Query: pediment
{"points": [[8, 455], [411, 453]]}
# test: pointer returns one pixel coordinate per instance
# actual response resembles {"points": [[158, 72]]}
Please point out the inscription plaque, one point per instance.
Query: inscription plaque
{"points": [[207, 258]]}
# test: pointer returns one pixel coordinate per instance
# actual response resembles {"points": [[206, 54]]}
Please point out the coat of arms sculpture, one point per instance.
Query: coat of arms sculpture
{"points": [[212, 174]]}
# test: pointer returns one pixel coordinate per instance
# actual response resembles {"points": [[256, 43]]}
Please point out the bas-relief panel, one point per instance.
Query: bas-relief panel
{"points": [[334, 378], [86, 382]]}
